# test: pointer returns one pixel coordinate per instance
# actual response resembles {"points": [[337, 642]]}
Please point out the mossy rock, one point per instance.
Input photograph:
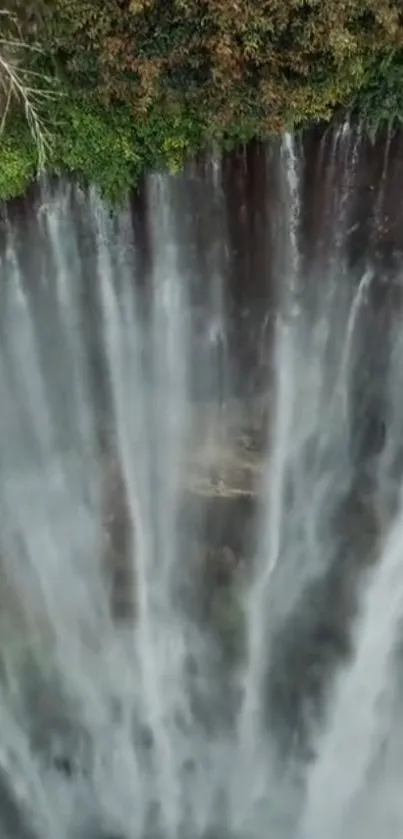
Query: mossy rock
{"points": [[228, 619]]}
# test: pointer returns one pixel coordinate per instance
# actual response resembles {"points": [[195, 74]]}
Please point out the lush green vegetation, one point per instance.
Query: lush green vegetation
{"points": [[122, 85]]}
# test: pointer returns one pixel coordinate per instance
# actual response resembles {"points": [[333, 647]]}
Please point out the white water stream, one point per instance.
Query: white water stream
{"points": [[109, 683]]}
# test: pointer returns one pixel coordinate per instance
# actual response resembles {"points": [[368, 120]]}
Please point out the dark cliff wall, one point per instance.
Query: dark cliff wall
{"points": [[350, 209]]}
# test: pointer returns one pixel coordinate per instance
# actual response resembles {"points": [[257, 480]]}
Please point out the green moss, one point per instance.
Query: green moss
{"points": [[228, 620], [378, 101], [100, 146], [108, 147], [18, 162]]}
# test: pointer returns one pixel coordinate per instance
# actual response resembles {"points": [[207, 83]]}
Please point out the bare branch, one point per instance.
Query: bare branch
{"points": [[18, 84], [6, 109]]}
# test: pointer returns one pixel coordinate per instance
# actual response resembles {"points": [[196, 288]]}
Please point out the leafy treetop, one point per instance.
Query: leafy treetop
{"points": [[149, 80]]}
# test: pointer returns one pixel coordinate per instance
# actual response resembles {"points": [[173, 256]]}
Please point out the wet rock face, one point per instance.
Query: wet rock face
{"points": [[14, 820], [219, 521], [101, 833], [221, 587], [118, 545], [217, 509], [223, 564], [57, 737], [318, 637]]}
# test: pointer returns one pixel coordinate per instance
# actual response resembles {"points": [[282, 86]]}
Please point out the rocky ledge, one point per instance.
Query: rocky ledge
{"points": [[225, 454]]}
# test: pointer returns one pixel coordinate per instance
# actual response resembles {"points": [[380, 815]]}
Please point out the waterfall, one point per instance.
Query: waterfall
{"points": [[357, 722], [250, 723], [201, 590]]}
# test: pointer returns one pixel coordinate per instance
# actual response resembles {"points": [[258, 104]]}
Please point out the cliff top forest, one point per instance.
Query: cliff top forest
{"points": [[107, 89]]}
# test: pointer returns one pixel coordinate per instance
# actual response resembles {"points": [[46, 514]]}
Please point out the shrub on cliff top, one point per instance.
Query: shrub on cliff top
{"points": [[144, 82]]}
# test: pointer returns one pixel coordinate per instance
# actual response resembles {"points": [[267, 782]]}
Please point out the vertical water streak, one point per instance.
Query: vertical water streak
{"points": [[292, 211], [217, 325], [23, 784], [351, 143], [21, 347], [358, 301], [381, 190], [139, 653], [170, 344], [33, 485], [334, 301], [351, 738], [46, 532], [217, 299], [58, 225], [332, 194], [251, 732], [170, 354]]}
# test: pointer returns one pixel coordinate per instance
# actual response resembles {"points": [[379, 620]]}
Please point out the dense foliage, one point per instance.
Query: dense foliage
{"points": [[144, 82]]}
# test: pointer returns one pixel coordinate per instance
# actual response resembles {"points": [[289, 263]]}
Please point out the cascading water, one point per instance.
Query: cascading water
{"points": [[124, 711]]}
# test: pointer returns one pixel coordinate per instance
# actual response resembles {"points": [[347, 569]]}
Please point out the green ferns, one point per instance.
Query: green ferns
{"points": [[379, 101], [98, 145], [18, 162]]}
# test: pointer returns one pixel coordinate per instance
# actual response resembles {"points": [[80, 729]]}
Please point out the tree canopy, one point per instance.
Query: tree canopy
{"points": [[128, 84]]}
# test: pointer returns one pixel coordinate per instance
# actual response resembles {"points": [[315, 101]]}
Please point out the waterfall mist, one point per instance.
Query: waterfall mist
{"points": [[201, 510]]}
